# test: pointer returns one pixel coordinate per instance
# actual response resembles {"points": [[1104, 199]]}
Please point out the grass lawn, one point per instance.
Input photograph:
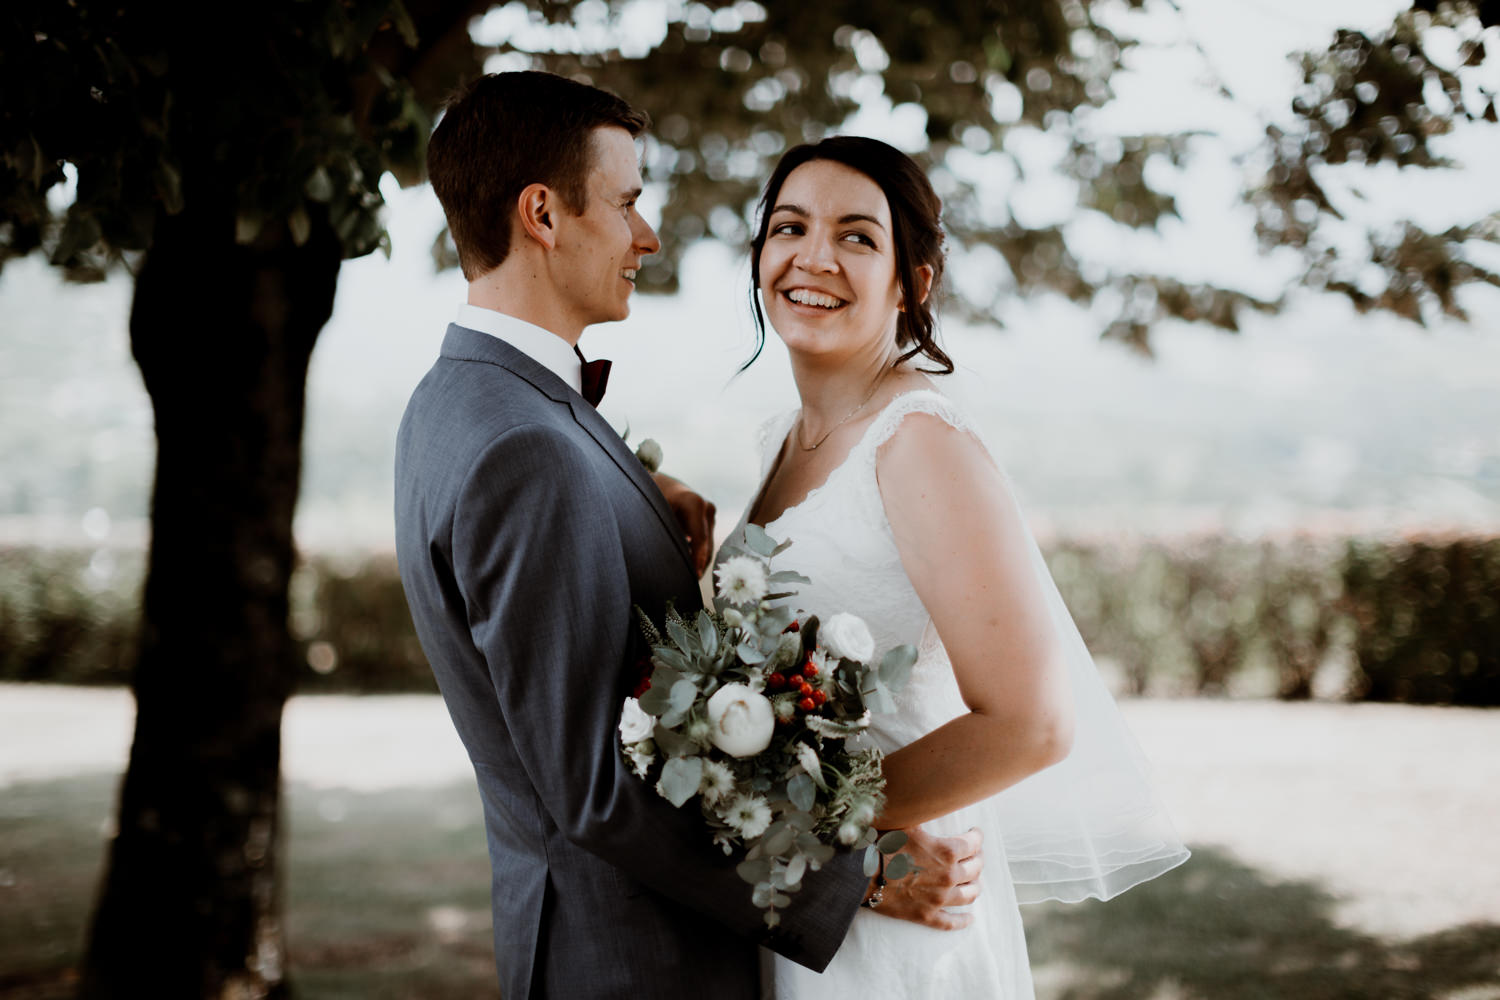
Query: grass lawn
{"points": [[387, 897]]}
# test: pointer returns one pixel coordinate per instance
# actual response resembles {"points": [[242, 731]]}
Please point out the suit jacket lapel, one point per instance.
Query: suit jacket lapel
{"points": [[464, 344]]}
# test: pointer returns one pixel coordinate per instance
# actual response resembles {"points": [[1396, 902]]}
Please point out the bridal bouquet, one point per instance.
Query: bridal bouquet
{"points": [[756, 717]]}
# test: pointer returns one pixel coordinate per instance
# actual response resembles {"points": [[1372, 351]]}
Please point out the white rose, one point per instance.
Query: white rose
{"points": [[636, 723], [848, 637], [742, 720]]}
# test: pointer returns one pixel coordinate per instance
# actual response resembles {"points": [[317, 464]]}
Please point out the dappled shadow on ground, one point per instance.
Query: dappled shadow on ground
{"points": [[387, 893], [388, 899], [1216, 929]]}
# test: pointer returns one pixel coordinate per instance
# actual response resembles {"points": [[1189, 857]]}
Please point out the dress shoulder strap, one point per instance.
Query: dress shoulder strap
{"points": [[930, 401]]}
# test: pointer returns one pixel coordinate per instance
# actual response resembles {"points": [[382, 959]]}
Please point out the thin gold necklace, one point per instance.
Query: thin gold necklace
{"points": [[818, 443]]}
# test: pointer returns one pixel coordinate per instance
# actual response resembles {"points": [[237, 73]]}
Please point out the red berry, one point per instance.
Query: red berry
{"points": [[807, 704], [810, 670], [793, 627], [804, 689], [819, 697], [776, 680]]}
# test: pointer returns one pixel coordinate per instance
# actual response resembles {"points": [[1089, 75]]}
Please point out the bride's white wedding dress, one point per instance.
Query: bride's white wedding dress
{"points": [[1087, 827]]}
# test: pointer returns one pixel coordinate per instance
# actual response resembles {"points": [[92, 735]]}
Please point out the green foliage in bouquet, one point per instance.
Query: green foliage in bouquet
{"points": [[759, 718]]}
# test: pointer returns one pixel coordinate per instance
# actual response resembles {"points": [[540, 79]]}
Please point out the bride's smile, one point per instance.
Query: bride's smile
{"points": [[828, 267]]}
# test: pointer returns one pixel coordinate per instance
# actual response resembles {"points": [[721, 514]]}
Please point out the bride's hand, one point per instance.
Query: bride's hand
{"points": [[694, 514], [947, 875]]}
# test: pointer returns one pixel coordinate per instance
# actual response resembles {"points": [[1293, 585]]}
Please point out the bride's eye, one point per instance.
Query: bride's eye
{"points": [[786, 229], [861, 239]]}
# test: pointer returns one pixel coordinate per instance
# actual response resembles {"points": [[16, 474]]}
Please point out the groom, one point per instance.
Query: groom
{"points": [[526, 532]]}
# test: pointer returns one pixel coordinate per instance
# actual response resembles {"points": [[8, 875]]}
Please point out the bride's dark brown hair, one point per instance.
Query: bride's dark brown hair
{"points": [[917, 234]]}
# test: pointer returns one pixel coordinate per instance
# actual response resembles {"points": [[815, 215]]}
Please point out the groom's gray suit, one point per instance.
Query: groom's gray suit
{"points": [[526, 531]]}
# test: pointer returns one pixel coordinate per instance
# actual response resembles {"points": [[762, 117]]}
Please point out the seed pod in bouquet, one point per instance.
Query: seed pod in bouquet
{"points": [[809, 635], [788, 651]]}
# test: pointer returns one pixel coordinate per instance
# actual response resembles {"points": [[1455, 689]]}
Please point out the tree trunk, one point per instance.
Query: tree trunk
{"points": [[190, 904]]}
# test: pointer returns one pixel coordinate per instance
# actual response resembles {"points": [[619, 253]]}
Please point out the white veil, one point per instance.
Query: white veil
{"points": [[1091, 826]]}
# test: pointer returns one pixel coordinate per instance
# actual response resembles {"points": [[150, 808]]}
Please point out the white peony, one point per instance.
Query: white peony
{"points": [[636, 723], [742, 580], [848, 637], [742, 719]]}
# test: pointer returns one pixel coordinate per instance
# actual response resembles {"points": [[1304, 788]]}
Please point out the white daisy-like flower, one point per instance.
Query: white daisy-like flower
{"points": [[718, 781], [742, 580], [750, 815], [640, 757]]}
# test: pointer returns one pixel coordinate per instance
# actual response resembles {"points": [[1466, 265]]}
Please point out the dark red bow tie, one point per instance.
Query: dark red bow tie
{"points": [[595, 377]]}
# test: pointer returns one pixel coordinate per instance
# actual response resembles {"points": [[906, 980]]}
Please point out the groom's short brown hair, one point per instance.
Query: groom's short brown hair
{"points": [[505, 131]]}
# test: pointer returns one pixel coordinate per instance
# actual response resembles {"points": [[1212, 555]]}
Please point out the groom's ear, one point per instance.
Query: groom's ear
{"points": [[536, 207]]}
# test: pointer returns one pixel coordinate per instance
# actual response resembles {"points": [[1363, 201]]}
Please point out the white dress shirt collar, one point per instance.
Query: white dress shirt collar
{"points": [[540, 345]]}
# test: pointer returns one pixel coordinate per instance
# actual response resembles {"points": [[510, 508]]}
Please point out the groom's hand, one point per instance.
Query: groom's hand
{"points": [[948, 875], [695, 516]]}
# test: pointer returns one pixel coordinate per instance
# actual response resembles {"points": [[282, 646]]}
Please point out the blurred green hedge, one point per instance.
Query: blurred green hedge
{"points": [[1407, 620]]}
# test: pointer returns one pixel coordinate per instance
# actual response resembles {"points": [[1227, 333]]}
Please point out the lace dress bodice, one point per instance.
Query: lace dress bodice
{"points": [[1091, 826], [842, 540]]}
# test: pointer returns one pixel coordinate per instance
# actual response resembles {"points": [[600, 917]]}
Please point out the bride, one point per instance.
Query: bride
{"points": [[899, 514]]}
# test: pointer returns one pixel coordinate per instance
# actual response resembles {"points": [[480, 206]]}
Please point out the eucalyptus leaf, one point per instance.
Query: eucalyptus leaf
{"points": [[795, 869], [673, 743], [787, 576], [872, 862], [680, 778], [896, 666], [801, 821], [749, 652], [899, 867], [801, 790], [778, 839], [763, 894], [656, 699], [782, 547], [684, 693], [759, 542], [878, 699], [755, 871], [820, 854], [773, 919], [781, 899], [890, 843]]}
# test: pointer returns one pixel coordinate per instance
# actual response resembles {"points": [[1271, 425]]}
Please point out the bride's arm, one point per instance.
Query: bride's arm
{"points": [[966, 551]]}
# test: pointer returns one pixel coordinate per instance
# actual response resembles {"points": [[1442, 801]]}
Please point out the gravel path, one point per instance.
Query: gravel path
{"points": [[1393, 809]]}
